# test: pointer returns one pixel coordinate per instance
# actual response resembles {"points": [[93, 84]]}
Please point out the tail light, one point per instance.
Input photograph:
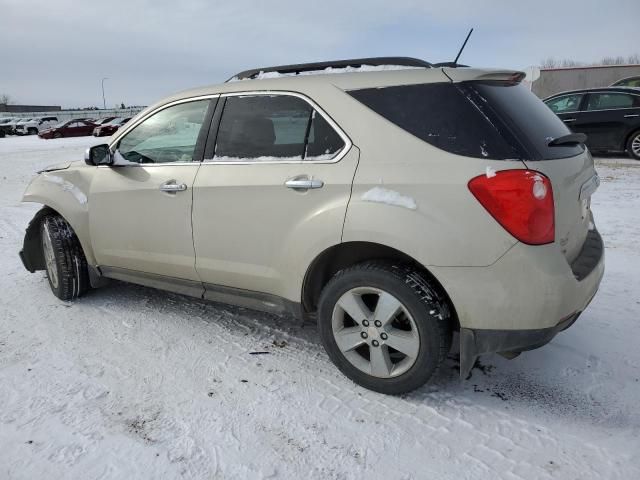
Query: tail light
{"points": [[521, 201]]}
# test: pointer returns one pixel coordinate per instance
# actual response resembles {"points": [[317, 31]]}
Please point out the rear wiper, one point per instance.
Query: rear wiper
{"points": [[569, 139]]}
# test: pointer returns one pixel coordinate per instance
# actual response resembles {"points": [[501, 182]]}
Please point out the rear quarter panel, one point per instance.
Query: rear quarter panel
{"points": [[447, 226]]}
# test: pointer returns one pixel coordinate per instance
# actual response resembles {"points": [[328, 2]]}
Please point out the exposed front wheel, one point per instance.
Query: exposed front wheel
{"points": [[64, 259], [633, 145], [57, 135], [385, 327]]}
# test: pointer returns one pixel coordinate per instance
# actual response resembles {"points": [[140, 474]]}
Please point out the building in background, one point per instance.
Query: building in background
{"points": [[29, 108], [555, 80]]}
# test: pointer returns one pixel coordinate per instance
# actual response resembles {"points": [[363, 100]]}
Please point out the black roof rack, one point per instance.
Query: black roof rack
{"points": [[354, 62]]}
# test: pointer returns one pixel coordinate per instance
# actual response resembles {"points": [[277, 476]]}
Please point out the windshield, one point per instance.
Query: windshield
{"points": [[115, 121]]}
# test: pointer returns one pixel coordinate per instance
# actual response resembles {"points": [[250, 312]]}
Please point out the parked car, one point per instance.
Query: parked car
{"points": [[35, 125], [102, 121], [627, 82], [108, 129], [70, 128], [6, 125], [11, 126], [394, 207], [609, 116]]}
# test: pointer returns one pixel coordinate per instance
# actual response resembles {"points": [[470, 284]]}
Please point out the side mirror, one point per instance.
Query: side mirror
{"points": [[98, 155]]}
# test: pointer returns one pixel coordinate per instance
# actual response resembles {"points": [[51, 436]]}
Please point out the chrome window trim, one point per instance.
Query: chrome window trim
{"points": [[131, 125], [339, 156]]}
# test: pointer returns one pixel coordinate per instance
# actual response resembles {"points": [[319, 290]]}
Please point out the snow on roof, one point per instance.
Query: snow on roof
{"points": [[329, 70]]}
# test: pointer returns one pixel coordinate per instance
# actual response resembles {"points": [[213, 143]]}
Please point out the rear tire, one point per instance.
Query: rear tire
{"points": [[65, 263], [32, 131], [633, 145], [391, 347]]}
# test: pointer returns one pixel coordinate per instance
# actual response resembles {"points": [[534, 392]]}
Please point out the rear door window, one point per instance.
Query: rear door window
{"points": [[274, 128], [609, 101]]}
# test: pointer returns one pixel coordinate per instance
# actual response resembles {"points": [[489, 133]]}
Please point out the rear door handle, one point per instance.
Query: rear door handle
{"points": [[304, 183], [632, 116], [172, 186], [568, 120]]}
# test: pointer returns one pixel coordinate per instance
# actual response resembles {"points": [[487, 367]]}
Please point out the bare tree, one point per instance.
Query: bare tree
{"points": [[5, 99], [551, 62]]}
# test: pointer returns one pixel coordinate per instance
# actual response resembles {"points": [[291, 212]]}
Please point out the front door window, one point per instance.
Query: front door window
{"points": [[168, 136]]}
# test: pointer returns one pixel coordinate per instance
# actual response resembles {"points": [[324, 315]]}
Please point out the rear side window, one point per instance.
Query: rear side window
{"points": [[527, 119], [606, 101], [441, 115], [493, 120], [274, 128]]}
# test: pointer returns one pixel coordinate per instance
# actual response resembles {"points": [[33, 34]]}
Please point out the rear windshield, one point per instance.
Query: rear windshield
{"points": [[484, 120]]}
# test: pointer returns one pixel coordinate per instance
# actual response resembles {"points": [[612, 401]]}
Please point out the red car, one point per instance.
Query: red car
{"points": [[70, 128], [107, 129]]}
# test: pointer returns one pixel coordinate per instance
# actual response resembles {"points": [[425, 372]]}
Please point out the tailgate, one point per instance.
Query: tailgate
{"points": [[574, 180]]}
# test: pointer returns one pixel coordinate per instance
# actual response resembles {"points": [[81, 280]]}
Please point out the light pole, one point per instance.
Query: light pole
{"points": [[104, 103]]}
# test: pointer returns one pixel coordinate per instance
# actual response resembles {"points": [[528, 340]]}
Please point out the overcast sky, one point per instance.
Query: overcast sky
{"points": [[57, 51]]}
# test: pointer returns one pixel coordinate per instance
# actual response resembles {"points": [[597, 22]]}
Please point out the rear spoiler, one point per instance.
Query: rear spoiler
{"points": [[483, 75]]}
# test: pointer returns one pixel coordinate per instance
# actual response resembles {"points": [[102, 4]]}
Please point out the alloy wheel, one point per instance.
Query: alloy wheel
{"points": [[375, 332], [635, 145], [49, 257]]}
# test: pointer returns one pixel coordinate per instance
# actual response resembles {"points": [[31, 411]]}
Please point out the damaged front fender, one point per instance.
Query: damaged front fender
{"points": [[64, 192]]}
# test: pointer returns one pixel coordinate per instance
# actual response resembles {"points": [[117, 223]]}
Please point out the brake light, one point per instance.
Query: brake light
{"points": [[521, 201]]}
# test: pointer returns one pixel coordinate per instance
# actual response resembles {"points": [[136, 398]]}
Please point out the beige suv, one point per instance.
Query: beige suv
{"points": [[394, 200]]}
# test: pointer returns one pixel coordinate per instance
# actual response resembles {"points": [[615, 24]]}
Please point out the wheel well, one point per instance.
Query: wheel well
{"points": [[344, 255], [32, 252]]}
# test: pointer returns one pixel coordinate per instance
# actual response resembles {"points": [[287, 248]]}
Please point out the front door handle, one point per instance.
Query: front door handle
{"points": [[632, 116], [304, 183], [172, 186], [568, 120]]}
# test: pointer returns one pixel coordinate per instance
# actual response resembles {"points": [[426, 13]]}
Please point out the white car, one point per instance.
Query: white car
{"points": [[10, 127], [34, 126], [6, 125]]}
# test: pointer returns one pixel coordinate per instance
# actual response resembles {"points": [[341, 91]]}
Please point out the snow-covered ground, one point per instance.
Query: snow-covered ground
{"points": [[130, 382]]}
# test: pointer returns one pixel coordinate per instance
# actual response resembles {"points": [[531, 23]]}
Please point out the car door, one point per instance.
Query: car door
{"points": [[72, 129], [606, 118], [140, 208], [273, 188]]}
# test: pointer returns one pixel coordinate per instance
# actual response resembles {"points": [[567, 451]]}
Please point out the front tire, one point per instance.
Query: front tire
{"points": [[64, 260], [385, 327], [633, 145], [57, 135]]}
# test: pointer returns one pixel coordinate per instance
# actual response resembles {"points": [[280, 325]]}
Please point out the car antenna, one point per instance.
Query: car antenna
{"points": [[455, 62]]}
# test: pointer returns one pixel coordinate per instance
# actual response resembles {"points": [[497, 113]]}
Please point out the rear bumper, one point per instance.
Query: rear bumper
{"points": [[524, 299], [474, 343]]}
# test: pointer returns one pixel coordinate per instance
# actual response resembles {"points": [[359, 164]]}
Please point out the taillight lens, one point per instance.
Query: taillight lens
{"points": [[521, 201]]}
